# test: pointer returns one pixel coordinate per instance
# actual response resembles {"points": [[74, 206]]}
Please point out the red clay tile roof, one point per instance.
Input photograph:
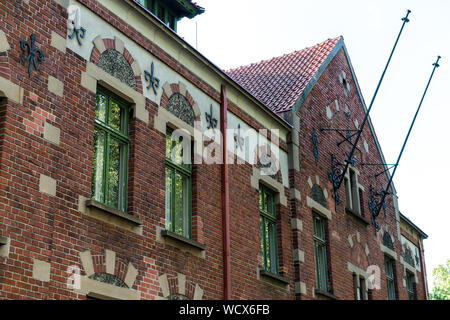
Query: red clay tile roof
{"points": [[279, 82]]}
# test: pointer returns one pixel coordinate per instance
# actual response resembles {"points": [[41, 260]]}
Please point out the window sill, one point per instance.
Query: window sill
{"points": [[275, 277], [183, 240], [357, 216], [325, 294], [116, 213]]}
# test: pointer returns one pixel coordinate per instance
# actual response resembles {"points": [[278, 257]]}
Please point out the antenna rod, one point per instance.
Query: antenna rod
{"points": [[385, 191], [350, 155]]}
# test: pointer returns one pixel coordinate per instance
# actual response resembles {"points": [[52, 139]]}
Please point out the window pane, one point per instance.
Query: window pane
{"points": [[179, 212], [273, 247], [267, 245], [115, 116], [174, 150], [323, 268], [115, 150], [98, 166], [101, 107], [270, 204], [261, 206], [168, 198], [262, 228]]}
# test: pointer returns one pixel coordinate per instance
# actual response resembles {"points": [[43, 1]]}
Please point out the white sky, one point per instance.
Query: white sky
{"points": [[237, 32]]}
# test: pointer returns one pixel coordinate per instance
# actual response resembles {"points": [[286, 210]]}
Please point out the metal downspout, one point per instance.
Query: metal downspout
{"points": [[225, 197]]}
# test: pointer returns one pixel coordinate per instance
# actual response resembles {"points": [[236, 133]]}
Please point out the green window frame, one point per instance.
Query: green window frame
{"points": [[178, 188], [410, 286], [268, 229], [111, 145], [390, 278], [320, 252], [162, 12]]}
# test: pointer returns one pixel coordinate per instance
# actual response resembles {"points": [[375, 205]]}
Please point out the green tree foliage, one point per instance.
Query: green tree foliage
{"points": [[441, 282]]}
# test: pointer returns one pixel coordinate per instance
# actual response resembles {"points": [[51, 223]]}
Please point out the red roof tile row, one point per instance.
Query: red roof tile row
{"points": [[279, 82]]}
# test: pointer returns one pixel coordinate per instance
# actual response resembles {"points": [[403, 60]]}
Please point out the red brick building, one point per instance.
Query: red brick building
{"points": [[99, 198]]}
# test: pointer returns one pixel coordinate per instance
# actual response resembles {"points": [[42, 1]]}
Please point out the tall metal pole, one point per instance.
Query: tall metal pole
{"points": [[385, 191], [350, 155]]}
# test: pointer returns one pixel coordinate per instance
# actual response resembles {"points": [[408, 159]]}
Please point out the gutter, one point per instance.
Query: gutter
{"points": [[225, 197]]}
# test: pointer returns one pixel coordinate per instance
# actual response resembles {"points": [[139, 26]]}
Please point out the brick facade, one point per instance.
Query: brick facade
{"points": [[46, 152]]}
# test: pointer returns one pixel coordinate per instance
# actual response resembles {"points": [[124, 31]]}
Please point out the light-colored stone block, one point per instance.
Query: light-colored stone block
{"points": [[350, 240], [182, 88], [4, 247], [4, 45], [164, 285], [88, 82], [131, 275], [167, 89], [310, 182], [86, 261], [55, 86], [99, 44], [58, 42], [181, 284], [63, 3], [110, 261], [51, 133], [299, 255], [198, 293], [296, 224], [47, 185], [41, 270], [119, 45], [136, 68], [329, 113], [11, 91], [82, 204], [295, 194], [300, 287]]}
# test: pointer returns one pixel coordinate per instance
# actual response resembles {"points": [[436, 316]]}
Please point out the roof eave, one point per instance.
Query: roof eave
{"points": [[404, 218]]}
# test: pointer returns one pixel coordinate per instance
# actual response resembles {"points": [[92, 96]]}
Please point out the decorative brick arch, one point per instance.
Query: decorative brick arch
{"points": [[169, 89], [105, 269], [179, 285], [116, 44]]}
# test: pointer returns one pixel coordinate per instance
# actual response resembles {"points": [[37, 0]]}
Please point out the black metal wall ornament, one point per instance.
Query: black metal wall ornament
{"points": [[153, 81], [80, 33], [212, 122], [336, 176], [333, 177], [349, 135], [238, 139], [376, 202], [31, 54], [315, 141]]}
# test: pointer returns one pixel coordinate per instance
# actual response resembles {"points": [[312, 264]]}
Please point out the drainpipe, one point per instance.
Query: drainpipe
{"points": [[225, 197]]}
